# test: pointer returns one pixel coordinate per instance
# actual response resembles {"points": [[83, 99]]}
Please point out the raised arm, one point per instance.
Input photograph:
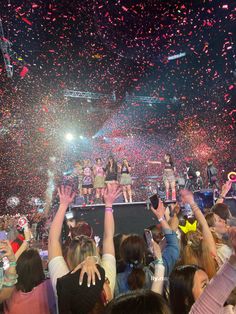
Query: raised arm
{"points": [[225, 189], [111, 193], [10, 276], [187, 198], [214, 296], [54, 244]]}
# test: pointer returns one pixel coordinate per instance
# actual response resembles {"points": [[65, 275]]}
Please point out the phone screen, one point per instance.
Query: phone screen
{"points": [[154, 201], [149, 239], [69, 215]]}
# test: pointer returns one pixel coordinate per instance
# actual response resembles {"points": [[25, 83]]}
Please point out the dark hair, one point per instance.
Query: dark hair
{"points": [[132, 251], [181, 283], [98, 159], [30, 270], [210, 160], [146, 302], [114, 164], [221, 210], [170, 159]]}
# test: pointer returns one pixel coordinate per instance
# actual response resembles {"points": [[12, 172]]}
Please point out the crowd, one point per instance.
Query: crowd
{"points": [[187, 266]]}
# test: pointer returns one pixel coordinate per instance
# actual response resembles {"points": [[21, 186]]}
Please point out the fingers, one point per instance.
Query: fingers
{"points": [[93, 277], [89, 273], [98, 274], [81, 277]]}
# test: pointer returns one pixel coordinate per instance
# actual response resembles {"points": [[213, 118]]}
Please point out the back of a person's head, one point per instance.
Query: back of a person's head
{"points": [[181, 283], [222, 210], [194, 250], [132, 251], [30, 270], [80, 248], [139, 302], [81, 228]]}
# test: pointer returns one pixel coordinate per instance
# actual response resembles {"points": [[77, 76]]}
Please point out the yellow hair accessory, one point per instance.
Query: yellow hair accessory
{"points": [[189, 227]]}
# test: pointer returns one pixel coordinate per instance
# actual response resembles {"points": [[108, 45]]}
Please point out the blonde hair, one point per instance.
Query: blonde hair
{"points": [[196, 252], [80, 248]]}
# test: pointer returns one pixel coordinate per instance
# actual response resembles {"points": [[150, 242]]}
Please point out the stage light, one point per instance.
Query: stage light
{"points": [[81, 137], [69, 136], [93, 136]]}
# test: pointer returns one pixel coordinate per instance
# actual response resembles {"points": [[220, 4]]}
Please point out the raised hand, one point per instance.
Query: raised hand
{"points": [[160, 211], [225, 188], [66, 195], [6, 251], [187, 197], [112, 191]]}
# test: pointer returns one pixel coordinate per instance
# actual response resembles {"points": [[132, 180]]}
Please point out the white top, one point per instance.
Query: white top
{"points": [[58, 268]]}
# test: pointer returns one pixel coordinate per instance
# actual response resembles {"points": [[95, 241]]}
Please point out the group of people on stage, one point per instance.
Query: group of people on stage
{"points": [[96, 177]]}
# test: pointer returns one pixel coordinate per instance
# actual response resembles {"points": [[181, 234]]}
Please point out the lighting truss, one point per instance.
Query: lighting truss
{"points": [[150, 100], [88, 95], [5, 46]]}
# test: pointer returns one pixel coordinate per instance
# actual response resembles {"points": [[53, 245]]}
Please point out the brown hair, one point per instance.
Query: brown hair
{"points": [[132, 251], [30, 270], [196, 252], [222, 210], [79, 248], [211, 223]]}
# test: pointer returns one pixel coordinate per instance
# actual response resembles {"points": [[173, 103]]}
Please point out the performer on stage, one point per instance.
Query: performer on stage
{"points": [[126, 180], [111, 170], [190, 176], [212, 174], [199, 181], [77, 175], [87, 182], [168, 175], [99, 181]]}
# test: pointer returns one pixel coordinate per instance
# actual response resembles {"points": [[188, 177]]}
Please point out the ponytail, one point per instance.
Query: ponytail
{"points": [[136, 279]]}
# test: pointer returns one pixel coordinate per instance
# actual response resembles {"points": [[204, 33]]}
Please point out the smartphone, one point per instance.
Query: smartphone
{"points": [[154, 201], [186, 210], [149, 239], [3, 235], [69, 215], [168, 202]]}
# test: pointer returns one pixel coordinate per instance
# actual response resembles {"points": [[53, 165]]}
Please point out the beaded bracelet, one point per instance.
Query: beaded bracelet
{"points": [[158, 261], [11, 276], [10, 283], [12, 264]]}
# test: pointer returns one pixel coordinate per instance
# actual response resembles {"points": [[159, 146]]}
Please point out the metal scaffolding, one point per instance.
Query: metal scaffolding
{"points": [[88, 95], [150, 100], [5, 46]]}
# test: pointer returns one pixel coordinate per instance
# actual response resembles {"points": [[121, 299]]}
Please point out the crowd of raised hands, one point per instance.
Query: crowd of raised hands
{"points": [[188, 266]]}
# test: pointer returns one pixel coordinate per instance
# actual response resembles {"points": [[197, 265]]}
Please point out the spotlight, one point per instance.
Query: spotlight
{"points": [[69, 137], [104, 138], [81, 137]]}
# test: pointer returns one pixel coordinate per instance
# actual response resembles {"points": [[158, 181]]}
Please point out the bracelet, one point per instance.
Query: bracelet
{"points": [[109, 209], [10, 283], [161, 219], [10, 276], [158, 261], [12, 264]]}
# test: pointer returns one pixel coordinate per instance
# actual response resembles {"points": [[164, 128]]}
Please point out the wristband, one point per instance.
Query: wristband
{"points": [[158, 261], [109, 209], [221, 197], [11, 276], [161, 219], [12, 264]]}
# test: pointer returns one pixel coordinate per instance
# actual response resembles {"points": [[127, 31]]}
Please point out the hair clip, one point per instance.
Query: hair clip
{"points": [[189, 227]]}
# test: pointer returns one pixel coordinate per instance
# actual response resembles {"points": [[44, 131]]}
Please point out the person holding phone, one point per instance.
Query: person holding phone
{"points": [[168, 175]]}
